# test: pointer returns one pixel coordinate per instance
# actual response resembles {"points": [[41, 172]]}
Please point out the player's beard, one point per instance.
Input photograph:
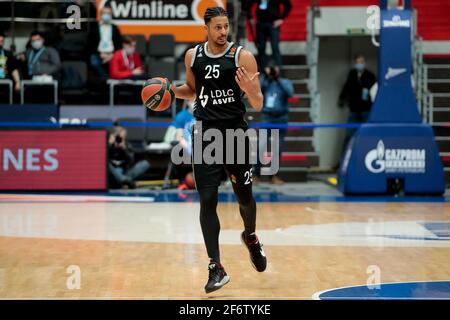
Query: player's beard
{"points": [[221, 41]]}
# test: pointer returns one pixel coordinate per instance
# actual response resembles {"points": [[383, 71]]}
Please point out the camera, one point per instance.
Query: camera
{"points": [[272, 73], [119, 139]]}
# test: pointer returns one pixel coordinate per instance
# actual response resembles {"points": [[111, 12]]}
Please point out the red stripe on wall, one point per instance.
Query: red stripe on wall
{"points": [[436, 56], [432, 14], [293, 157], [294, 27]]}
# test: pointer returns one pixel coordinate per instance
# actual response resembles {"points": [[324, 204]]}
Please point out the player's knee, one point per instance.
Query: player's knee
{"points": [[208, 197]]}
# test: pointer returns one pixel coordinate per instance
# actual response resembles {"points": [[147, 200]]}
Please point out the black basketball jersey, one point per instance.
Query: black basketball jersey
{"points": [[218, 94]]}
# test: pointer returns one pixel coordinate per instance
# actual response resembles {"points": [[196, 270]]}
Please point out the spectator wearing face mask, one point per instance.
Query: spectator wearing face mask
{"points": [[8, 65], [356, 94], [39, 59], [126, 63], [104, 40]]}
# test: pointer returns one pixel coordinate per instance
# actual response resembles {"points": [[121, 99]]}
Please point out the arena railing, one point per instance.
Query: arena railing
{"points": [[9, 83], [429, 98]]}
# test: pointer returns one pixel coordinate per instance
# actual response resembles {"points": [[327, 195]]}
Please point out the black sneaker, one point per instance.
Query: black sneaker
{"points": [[217, 277], [257, 255]]}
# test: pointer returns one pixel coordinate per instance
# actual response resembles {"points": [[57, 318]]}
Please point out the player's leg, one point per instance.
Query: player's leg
{"points": [[243, 192], [209, 221], [207, 180], [210, 225], [241, 178]]}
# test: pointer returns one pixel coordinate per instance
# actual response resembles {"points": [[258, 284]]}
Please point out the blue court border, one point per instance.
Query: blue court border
{"points": [[414, 290]]}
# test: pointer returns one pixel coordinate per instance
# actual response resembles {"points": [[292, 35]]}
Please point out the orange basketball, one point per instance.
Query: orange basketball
{"points": [[157, 94], [189, 180]]}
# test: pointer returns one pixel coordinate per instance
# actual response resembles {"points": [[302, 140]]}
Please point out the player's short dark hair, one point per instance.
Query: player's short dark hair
{"points": [[213, 12], [128, 40]]}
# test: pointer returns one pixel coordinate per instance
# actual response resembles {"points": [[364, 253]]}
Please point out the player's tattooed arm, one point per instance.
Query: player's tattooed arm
{"points": [[248, 80], [187, 91]]}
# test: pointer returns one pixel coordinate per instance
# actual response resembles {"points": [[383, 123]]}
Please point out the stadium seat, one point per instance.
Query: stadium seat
{"points": [[161, 61], [74, 46], [157, 134], [135, 135], [161, 45], [73, 82], [141, 43], [165, 69], [74, 75]]}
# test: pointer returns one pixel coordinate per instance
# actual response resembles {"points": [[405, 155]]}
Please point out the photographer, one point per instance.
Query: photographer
{"points": [[276, 91], [121, 168]]}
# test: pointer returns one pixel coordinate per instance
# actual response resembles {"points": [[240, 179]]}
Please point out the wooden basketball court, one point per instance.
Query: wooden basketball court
{"points": [[145, 248]]}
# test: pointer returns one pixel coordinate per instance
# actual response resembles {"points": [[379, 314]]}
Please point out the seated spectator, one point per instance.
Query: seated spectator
{"points": [[8, 67], [126, 62], [183, 123], [104, 39], [121, 167], [276, 91], [40, 60], [40, 63]]}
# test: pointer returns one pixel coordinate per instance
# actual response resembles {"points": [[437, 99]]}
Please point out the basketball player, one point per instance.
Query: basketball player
{"points": [[211, 67]]}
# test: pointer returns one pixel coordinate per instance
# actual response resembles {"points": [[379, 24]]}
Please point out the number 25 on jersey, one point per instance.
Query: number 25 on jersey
{"points": [[212, 71]]}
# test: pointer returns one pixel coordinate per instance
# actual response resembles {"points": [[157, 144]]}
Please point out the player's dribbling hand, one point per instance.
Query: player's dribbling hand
{"points": [[245, 81]]}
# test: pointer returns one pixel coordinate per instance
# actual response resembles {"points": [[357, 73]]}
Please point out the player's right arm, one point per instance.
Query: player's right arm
{"points": [[187, 90]]}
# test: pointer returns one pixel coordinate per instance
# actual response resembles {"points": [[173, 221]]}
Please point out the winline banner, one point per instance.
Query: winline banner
{"points": [[182, 18]]}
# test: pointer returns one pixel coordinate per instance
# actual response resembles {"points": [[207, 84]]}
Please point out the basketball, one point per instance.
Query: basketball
{"points": [[189, 181], [157, 94]]}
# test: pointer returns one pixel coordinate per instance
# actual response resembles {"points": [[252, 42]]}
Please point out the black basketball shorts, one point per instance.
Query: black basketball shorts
{"points": [[207, 174]]}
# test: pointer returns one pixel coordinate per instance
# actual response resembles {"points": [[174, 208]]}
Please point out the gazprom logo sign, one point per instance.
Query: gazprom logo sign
{"points": [[386, 160], [397, 22]]}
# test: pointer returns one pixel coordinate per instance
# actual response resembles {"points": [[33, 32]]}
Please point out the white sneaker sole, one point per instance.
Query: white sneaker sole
{"points": [[219, 285]]}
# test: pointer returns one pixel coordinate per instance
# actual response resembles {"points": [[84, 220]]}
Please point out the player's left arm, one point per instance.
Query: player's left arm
{"points": [[248, 80]]}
